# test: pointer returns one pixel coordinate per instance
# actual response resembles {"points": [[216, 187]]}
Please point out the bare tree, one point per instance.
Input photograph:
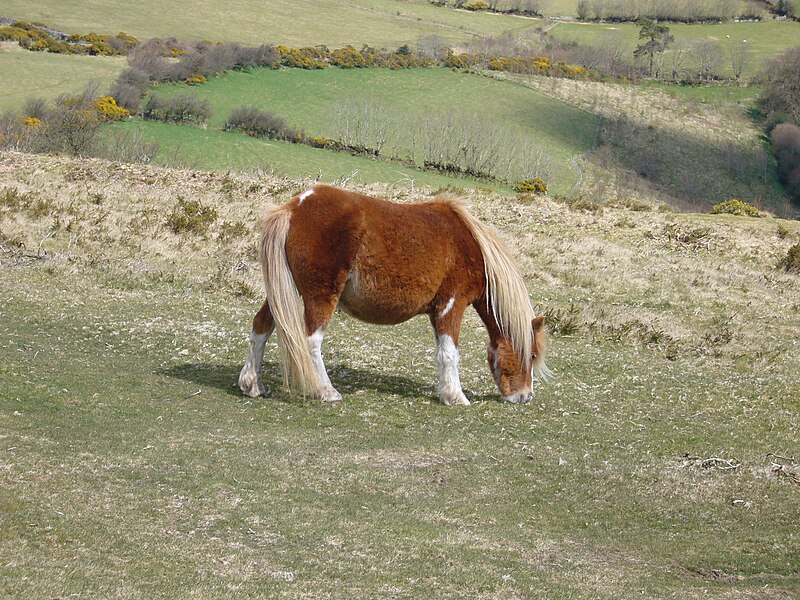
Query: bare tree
{"points": [[676, 59], [740, 58], [708, 54], [583, 10], [434, 46]]}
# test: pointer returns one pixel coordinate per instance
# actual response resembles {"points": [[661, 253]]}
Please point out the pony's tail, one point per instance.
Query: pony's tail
{"points": [[540, 369], [286, 306]]}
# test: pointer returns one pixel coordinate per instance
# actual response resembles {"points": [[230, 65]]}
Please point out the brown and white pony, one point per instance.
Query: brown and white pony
{"points": [[384, 263]]}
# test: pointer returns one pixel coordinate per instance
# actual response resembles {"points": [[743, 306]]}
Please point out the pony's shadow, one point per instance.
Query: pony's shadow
{"points": [[346, 379]]}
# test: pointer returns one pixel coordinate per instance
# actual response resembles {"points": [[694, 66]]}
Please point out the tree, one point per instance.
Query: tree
{"points": [[709, 58], [740, 58], [655, 38], [781, 80]]}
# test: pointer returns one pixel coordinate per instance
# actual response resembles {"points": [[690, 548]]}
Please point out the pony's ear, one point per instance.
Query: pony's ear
{"points": [[537, 323]]}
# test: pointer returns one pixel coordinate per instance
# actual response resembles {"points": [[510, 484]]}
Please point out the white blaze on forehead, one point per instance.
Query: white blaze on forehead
{"points": [[448, 307], [305, 195]]}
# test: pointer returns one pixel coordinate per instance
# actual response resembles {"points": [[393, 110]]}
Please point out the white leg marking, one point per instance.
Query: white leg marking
{"points": [[305, 195], [449, 382], [448, 308], [329, 393], [250, 378]]}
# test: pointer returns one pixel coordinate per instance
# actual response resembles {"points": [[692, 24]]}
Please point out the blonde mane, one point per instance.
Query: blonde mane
{"points": [[506, 294]]}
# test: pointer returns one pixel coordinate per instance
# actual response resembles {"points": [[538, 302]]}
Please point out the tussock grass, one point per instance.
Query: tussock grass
{"points": [[132, 467]]}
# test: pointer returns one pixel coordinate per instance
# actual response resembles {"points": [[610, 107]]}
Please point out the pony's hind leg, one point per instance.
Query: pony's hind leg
{"points": [[446, 321], [250, 377]]}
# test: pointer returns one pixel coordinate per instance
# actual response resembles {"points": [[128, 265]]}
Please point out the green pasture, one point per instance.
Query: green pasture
{"points": [[215, 150], [387, 23], [764, 39], [24, 74], [661, 462], [309, 100]]}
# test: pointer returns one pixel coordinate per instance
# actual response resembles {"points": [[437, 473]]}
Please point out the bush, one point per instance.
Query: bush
{"points": [[183, 108], [791, 262], [191, 216], [735, 207], [130, 87], [109, 110], [259, 123], [531, 186], [781, 79], [786, 145]]}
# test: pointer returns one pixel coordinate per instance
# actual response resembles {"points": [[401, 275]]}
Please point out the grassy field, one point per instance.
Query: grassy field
{"points": [[688, 147], [309, 100], [26, 74], [764, 39], [220, 151], [661, 462], [389, 23]]}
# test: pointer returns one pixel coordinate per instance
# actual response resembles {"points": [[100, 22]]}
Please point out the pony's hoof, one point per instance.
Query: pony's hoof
{"points": [[455, 400], [331, 396], [253, 389]]}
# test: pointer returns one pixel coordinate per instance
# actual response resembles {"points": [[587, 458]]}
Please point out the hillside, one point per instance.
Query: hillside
{"points": [[662, 460]]}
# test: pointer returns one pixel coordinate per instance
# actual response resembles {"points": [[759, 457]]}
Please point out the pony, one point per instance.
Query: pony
{"points": [[383, 263]]}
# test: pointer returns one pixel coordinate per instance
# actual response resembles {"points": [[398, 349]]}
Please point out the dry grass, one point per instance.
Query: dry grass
{"points": [[132, 467]]}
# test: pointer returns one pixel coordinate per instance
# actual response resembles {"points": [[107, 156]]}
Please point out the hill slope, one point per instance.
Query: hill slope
{"points": [[660, 462]]}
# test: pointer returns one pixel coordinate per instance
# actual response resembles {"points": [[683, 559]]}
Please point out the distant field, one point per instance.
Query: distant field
{"points": [[309, 100], [765, 39], [216, 150], [24, 74], [303, 22]]}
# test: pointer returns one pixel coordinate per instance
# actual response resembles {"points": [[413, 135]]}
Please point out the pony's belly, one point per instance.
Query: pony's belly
{"points": [[382, 305]]}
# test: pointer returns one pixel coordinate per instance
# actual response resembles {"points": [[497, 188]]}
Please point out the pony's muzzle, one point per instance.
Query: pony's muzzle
{"points": [[522, 398]]}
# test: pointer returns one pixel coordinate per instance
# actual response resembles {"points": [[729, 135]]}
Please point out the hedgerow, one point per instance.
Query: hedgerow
{"points": [[260, 123]]}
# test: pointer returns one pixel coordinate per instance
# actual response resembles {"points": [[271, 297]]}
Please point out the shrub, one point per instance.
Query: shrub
{"points": [[191, 216], [735, 207], [32, 122], [476, 5], [781, 79], [347, 58], [791, 262], [195, 80], [786, 145], [183, 108], [531, 186], [130, 87], [109, 110], [260, 123]]}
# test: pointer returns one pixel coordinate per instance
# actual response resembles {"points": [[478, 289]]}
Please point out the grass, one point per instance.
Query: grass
{"points": [[132, 467], [309, 100], [386, 23], [764, 39], [27, 74]]}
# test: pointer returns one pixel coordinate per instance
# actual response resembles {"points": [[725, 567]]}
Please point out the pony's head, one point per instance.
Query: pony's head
{"points": [[513, 373]]}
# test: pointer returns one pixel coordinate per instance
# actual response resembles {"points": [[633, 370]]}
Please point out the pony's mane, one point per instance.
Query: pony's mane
{"points": [[506, 294]]}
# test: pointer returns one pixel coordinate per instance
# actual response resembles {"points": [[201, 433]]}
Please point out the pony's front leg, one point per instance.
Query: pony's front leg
{"points": [[328, 393], [449, 388], [446, 321], [250, 377]]}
